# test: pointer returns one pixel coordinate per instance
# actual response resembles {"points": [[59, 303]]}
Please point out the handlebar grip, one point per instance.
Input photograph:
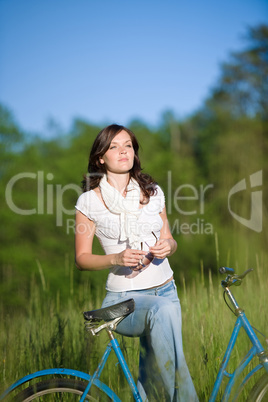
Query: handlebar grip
{"points": [[224, 270]]}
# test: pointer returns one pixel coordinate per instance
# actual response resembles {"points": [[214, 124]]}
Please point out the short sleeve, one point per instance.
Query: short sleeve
{"points": [[161, 198], [156, 203], [84, 205]]}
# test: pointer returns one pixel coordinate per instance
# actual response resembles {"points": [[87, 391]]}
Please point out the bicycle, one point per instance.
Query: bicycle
{"points": [[91, 388]]}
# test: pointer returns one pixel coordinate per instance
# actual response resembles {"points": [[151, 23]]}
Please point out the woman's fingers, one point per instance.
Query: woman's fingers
{"points": [[130, 257], [161, 249], [134, 258]]}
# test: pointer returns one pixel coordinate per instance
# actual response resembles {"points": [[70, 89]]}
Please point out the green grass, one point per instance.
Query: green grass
{"points": [[208, 323], [51, 333]]}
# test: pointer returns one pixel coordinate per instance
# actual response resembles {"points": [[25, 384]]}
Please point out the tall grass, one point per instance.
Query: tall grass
{"points": [[208, 323], [51, 334]]}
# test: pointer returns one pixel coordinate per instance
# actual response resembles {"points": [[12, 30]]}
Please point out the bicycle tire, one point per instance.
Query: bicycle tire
{"points": [[259, 392], [59, 389]]}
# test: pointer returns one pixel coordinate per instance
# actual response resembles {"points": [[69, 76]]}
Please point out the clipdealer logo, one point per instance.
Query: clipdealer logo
{"points": [[255, 220], [50, 200]]}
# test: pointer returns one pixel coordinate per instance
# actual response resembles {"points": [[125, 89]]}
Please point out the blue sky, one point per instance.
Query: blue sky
{"points": [[113, 61]]}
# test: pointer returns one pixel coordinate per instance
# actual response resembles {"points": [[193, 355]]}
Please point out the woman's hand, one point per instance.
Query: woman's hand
{"points": [[129, 257], [163, 248]]}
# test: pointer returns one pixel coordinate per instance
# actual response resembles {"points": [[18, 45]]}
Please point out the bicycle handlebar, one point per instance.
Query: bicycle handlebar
{"points": [[224, 270], [232, 278]]}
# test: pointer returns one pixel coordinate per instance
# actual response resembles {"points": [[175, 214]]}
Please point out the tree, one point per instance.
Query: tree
{"points": [[11, 138], [243, 86]]}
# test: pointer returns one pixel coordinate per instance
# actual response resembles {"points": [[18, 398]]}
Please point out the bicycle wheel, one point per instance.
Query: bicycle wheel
{"points": [[60, 389], [260, 390]]}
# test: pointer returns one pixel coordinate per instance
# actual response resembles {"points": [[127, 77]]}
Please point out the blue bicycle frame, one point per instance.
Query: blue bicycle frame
{"points": [[256, 350], [116, 348], [241, 322], [94, 379]]}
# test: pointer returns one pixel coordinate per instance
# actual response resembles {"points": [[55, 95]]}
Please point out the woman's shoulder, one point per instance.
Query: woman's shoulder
{"points": [[89, 203], [159, 190], [157, 200], [158, 193], [87, 196]]}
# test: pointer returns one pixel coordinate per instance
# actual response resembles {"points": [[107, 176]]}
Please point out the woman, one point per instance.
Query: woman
{"points": [[125, 209]]}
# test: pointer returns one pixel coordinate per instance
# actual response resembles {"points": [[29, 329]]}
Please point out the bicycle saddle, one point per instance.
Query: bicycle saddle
{"points": [[110, 313]]}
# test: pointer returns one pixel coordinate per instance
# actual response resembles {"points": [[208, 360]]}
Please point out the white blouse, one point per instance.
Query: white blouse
{"points": [[123, 278]]}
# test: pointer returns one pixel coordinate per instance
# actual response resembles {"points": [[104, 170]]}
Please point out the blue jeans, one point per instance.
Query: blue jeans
{"points": [[157, 321]]}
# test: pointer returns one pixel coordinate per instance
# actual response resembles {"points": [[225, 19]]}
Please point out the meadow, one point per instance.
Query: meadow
{"points": [[206, 163], [52, 334]]}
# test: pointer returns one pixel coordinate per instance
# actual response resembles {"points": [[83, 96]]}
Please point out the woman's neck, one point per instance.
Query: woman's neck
{"points": [[118, 181]]}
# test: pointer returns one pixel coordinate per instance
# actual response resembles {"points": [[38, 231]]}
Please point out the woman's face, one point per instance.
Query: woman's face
{"points": [[120, 156]]}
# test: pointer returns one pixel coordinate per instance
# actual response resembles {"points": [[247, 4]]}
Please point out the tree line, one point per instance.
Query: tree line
{"points": [[211, 165]]}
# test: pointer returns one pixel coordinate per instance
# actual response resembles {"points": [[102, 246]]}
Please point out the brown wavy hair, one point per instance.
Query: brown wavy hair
{"points": [[96, 170]]}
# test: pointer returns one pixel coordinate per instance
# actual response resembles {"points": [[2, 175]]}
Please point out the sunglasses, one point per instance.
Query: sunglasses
{"points": [[149, 257]]}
